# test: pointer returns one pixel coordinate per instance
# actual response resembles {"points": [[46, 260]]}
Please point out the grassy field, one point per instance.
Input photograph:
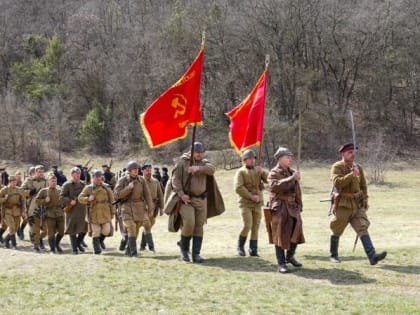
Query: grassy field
{"points": [[228, 284]]}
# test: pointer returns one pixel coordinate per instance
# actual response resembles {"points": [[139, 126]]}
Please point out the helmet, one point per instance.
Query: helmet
{"points": [[198, 147], [247, 154], [132, 165], [97, 173], [281, 151]]}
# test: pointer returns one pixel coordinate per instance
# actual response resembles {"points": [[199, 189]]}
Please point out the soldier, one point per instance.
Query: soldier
{"points": [[189, 184], [98, 196], [13, 204], [4, 176], [18, 176], [109, 176], [249, 182], [49, 199], [155, 189], [165, 177], [21, 231], [76, 225], [156, 174], [136, 205], [350, 204], [32, 185], [285, 201]]}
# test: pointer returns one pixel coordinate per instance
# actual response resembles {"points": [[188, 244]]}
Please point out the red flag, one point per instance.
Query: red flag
{"points": [[167, 118], [247, 119]]}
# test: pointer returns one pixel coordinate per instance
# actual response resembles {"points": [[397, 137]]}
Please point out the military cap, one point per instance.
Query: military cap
{"points": [[281, 151], [146, 166], [54, 166], [97, 173], [132, 165], [156, 168], [51, 176], [39, 167], [165, 169], [105, 165], [31, 170], [247, 154], [346, 147], [12, 178], [198, 147], [75, 170], [18, 172]]}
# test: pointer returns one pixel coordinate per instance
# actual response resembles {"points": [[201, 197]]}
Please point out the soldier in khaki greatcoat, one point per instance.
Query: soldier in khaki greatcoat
{"points": [[49, 199], [98, 196], [248, 183], [76, 225], [136, 205], [351, 204], [155, 189], [12, 201], [32, 185]]}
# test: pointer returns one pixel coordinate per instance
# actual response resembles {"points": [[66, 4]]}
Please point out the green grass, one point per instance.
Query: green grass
{"points": [[226, 283]]}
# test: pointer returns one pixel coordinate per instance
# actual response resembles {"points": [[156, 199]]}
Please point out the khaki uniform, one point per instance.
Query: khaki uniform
{"points": [[285, 200], [248, 183], [76, 218], [350, 208], [55, 213], [135, 204], [13, 207], [31, 187], [101, 210], [155, 189]]}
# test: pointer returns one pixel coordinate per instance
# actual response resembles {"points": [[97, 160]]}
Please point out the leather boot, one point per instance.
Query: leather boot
{"points": [[79, 241], [41, 244], [51, 242], [290, 256], [123, 243], [82, 241], [13, 241], [149, 241], [143, 242], [184, 245], [73, 242], [253, 248], [241, 244], [96, 245], [1, 235], [101, 241], [21, 231], [370, 250], [196, 249], [7, 241], [334, 240], [281, 260], [132, 246], [36, 249], [58, 238]]}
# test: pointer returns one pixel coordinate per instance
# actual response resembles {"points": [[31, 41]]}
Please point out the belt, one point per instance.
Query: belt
{"points": [[289, 198], [136, 200], [351, 195], [201, 196]]}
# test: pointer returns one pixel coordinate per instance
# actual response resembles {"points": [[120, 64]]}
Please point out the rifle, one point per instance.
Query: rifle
{"points": [[87, 163], [67, 209], [353, 132], [90, 204]]}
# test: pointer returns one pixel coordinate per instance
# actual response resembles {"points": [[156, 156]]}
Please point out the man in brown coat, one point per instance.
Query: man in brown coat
{"points": [[285, 201], [98, 196], [351, 204]]}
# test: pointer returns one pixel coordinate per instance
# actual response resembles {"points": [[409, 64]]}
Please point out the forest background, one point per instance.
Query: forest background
{"points": [[77, 74]]}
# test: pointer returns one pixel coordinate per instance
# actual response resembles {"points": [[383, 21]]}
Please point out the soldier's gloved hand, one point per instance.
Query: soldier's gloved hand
{"points": [[193, 169], [47, 200], [32, 192], [255, 198], [185, 198], [91, 198], [131, 185], [73, 202]]}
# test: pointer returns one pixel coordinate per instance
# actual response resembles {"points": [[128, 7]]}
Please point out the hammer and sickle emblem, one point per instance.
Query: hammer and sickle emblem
{"points": [[179, 102]]}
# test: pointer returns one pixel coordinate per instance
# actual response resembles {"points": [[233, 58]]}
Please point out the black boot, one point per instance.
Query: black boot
{"points": [[96, 245], [41, 244], [290, 256], [21, 231], [36, 249], [253, 248], [13, 241], [370, 250], [334, 249], [79, 241], [7, 241], [82, 240], [241, 244], [101, 241], [149, 241], [73, 242], [281, 260], [58, 238], [196, 248], [51, 242], [1, 235], [123, 243], [184, 245], [132, 247], [143, 242]]}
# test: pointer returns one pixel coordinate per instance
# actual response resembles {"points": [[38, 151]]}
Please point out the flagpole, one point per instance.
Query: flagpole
{"points": [[259, 153]]}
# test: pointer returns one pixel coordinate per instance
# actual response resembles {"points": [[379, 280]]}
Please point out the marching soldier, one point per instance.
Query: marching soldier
{"points": [[98, 196], [75, 212], [351, 204], [49, 199], [13, 204], [109, 176], [190, 184], [136, 205], [286, 205], [21, 230], [32, 185], [248, 185], [155, 189]]}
